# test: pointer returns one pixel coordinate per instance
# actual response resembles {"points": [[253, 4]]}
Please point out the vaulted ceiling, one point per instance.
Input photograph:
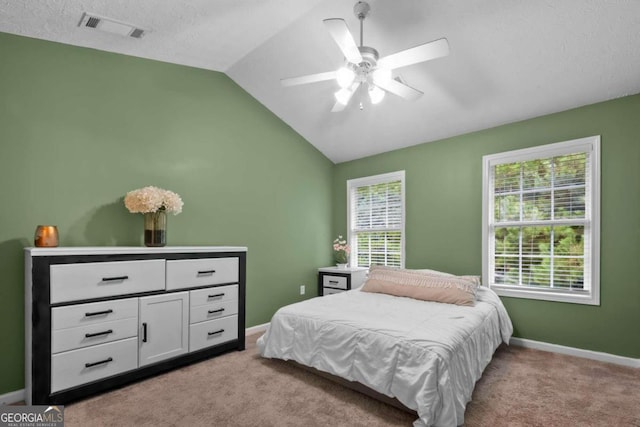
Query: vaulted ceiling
{"points": [[510, 59]]}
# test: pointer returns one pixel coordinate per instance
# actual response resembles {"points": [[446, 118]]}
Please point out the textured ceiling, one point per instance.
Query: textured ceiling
{"points": [[210, 34], [510, 59]]}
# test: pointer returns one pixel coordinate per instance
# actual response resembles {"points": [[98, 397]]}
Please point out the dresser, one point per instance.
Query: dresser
{"points": [[97, 318], [332, 280]]}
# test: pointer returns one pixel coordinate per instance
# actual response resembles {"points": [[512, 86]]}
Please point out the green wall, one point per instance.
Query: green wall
{"points": [[443, 217], [79, 128]]}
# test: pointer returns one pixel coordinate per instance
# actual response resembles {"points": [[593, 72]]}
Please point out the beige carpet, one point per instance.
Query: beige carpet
{"points": [[520, 387]]}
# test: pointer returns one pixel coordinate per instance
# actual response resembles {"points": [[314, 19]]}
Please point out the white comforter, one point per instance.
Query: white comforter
{"points": [[428, 355]]}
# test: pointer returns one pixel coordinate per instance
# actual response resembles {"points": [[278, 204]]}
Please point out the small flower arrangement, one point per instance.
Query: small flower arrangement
{"points": [[341, 251], [153, 199]]}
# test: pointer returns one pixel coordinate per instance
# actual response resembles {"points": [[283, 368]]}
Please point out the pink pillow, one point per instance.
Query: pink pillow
{"points": [[426, 285]]}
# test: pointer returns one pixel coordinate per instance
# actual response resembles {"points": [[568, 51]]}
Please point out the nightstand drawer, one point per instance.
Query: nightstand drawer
{"points": [[88, 335], [93, 313], [72, 282], [213, 311], [215, 294], [201, 272], [329, 291], [338, 282], [213, 332], [77, 367]]}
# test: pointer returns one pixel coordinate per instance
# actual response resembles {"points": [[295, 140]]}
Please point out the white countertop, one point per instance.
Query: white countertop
{"points": [[118, 250], [342, 270]]}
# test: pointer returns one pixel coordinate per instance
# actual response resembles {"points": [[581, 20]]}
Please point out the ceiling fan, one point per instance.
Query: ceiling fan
{"points": [[363, 67]]}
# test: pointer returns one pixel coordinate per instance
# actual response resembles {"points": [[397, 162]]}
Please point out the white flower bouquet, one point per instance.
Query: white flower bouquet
{"points": [[153, 199]]}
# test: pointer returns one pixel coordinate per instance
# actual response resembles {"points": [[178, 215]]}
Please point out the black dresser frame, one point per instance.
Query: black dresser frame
{"points": [[41, 325]]}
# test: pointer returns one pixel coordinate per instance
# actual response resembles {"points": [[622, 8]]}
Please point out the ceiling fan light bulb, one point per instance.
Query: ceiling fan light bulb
{"points": [[343, 96], [382, 76], [345, 77], [376, 94]]}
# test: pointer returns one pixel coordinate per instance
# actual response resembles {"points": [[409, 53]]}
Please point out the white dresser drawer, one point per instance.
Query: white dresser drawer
{"points": [[189, 273], [211, 295], [334, 282], [93, 313], [77, 367], [213, 332], [84, 336], [213, 311], [71, 282], [330, 291]]}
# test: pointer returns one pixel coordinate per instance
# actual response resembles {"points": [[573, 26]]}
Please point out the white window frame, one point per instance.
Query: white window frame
{"points": [[373, 180], [589, 144]]}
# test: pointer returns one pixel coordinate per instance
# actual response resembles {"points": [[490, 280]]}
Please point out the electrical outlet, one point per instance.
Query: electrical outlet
{"points": [[302, 289]]}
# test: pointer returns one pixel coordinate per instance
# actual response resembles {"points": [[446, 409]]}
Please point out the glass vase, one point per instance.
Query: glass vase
{"points": [[341, 259], [155, 228]]}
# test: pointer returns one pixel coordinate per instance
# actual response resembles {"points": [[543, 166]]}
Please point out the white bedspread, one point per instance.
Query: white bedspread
{"points": [[428, 355]]}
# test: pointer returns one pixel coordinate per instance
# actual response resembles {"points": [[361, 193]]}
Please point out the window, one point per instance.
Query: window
{"points": [[541, 222], [375, 214]]}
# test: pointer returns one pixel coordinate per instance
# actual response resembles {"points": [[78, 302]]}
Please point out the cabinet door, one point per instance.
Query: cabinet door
{"points": [[164, 327]]}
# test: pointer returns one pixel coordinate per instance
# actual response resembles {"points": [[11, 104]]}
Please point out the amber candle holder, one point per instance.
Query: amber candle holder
{"points": [[46, 236]]}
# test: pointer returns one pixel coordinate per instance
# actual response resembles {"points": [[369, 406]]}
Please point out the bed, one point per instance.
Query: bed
{"points": [[427, 355]]}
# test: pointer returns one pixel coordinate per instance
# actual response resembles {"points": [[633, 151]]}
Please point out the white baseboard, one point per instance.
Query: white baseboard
{"points": [[578, 352], [257, 328], [12, 397]]}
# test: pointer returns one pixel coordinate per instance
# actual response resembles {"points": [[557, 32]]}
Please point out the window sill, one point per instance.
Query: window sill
{"points": [[587, 299]]}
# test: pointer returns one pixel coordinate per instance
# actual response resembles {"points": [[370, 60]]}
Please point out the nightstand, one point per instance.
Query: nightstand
{"points": [[332, 280]]}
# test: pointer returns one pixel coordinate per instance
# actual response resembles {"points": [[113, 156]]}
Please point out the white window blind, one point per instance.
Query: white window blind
{"points": [[376, 220], [541, 216]]}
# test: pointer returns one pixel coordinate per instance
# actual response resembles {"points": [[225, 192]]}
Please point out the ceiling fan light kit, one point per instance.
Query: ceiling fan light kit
{"points": [[343, 95], [375, 94], [363, 65], [345, 76]]}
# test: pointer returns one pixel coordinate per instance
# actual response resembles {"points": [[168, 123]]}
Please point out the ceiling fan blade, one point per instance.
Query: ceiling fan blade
{"points": [[400, 89], [339, 106], [424, 52], [341, 34], [311, 78]]}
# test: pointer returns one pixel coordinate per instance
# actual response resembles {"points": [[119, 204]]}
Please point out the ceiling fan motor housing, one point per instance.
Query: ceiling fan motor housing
{"points": [[369, 62]]}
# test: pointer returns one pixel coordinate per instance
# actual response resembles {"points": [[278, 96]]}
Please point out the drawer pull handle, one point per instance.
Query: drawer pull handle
{"points": [[220, 310], [97, 334], [144, 332], [215, 332], [98, 313], [203, 272], [215, 295], [89, 365], [333, 281], [114, 279]]}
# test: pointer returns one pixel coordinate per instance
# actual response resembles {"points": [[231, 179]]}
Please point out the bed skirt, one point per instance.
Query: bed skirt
{"points": [[354, 385]]}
